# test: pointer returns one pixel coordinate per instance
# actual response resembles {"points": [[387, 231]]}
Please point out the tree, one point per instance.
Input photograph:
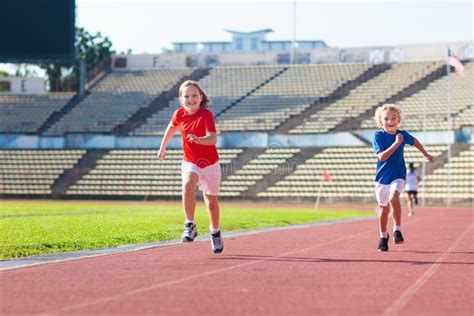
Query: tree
{"points": [[93, 49], [25, 70], [4, 86]]}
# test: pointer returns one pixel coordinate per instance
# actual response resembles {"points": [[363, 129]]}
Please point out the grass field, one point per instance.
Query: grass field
{"points": [[32, 227]]}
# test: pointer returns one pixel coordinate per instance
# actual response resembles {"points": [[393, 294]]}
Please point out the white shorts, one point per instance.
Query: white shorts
{"points": [[209, 177], [382, 191]]}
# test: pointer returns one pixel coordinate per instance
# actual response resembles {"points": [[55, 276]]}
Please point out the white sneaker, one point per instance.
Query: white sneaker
{"points": [[217, 245], [411, 213], [189, 232]]}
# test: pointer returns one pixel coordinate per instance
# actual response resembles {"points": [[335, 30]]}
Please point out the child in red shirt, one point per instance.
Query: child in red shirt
{"points": [[200, 166]]}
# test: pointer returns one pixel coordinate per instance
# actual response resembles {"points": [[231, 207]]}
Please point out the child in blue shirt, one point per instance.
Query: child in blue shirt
{"points": [[390, 174]]}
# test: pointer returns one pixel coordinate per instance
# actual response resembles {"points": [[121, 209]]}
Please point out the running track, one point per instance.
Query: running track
{"points": [[317, 270]]}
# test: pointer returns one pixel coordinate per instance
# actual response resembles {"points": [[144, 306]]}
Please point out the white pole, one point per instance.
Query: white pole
{"points": [[316, 205], [423, 165], [448, 189]]}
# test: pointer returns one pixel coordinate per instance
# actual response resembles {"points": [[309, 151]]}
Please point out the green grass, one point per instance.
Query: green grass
{"points": [[32, 227]]}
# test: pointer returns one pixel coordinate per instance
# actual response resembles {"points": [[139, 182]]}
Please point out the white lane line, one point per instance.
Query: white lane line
{"points": [[406, 296], [85, 254]]}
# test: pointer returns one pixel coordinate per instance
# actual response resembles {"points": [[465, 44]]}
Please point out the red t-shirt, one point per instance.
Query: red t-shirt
{"points": [[198, 124]]}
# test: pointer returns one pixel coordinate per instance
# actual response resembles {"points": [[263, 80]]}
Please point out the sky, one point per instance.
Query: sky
{"points": [[148, 26]]}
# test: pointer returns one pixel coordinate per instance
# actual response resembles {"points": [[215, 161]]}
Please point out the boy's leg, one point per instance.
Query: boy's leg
{"points": [[382, 194], [394, 198], [383, 218], [397, 211], [396, 207]]}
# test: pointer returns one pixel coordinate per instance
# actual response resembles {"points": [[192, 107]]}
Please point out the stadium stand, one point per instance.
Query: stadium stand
{"points": [[367, 96], [288, 94], [138, 173], [33, 172], [224, 85], [351, 168], [257, 98], [271, 160], [461, 175], [435, 99], [26, 113], [116, 98]]}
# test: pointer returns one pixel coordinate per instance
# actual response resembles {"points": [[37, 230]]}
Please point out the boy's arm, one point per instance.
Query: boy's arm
{"points": [[384, 155], [420, 147], [169, 133]]}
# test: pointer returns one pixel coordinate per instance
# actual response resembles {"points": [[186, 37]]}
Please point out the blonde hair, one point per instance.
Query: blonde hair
{"points": [[204, 98], [386, 107]]}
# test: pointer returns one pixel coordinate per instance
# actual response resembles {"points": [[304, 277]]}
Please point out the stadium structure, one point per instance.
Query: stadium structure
{"points": [[281, 124]]}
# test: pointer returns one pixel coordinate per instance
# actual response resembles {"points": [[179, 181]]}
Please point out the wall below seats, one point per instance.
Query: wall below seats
{"points": [[227, 140]]}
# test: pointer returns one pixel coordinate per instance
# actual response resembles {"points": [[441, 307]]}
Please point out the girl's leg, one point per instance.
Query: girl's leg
{"points": [[383, 218], [396, 207], [190, 181], [212, 205]]}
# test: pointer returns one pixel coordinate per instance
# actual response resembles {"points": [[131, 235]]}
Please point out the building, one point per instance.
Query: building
{"points": [[245, 42]]}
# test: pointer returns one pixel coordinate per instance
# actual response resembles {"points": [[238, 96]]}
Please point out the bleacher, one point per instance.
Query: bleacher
{"points": [[255, 170], [116, 98], [460, 173], [367, 96], [33, 172], [434, 100], [259, 98], [138, 173], [26, 113], [288, 94], [351, 168], [224, 86]]}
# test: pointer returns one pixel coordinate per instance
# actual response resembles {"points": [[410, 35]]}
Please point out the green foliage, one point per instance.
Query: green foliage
{"points": [[93, 49], [166, 50], [40, 227], [25, 70]]}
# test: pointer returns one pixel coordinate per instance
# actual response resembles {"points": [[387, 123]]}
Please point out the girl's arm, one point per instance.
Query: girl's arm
{"points": [[209, 140], [420, 147], [169, 133], [384, 155]]}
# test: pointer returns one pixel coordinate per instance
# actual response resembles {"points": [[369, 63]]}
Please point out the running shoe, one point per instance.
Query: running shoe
{"points": [[383, 244], [189, 233], [217, 245], [398, 237]]}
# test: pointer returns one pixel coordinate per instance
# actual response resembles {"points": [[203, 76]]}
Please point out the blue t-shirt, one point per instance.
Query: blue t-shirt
{"points": [[394, 167]]}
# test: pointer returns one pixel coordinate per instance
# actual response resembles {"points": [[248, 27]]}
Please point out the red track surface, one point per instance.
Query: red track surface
{"points": [[330, 269]]}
